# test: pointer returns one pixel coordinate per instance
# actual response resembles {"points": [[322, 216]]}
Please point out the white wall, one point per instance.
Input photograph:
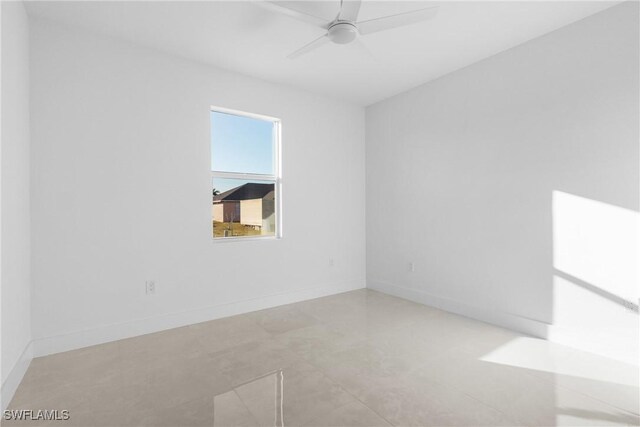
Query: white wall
{"points": [[461, 173], [15, 266], [121, 192]]}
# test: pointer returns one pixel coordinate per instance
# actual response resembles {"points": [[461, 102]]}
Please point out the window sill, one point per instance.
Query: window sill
{"points": [[244, 239]]}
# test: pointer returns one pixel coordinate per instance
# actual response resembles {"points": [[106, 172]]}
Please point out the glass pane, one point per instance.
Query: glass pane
{"points": [[241, 144], [243, 208]]}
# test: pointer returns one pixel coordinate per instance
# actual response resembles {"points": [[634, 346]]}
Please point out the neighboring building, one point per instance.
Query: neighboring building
{"points": [[226, 211], [249, 204]]}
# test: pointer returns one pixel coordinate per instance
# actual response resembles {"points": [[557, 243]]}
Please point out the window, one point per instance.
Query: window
{"points": [[245, 175]]}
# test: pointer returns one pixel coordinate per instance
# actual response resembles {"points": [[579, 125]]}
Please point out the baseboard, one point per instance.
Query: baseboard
{"points": [[506, 320], [85, 338], [10, 385]]}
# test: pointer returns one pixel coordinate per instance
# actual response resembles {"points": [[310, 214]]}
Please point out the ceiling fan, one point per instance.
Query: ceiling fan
{"points": [[346, 28]]}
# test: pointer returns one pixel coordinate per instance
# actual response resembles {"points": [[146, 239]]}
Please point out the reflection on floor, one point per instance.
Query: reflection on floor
{"points": [[262, 396], [360, 358]]}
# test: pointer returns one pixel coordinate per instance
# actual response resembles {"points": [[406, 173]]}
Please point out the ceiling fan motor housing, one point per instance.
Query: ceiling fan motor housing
{"points": [[342, 32], [346, 28]]}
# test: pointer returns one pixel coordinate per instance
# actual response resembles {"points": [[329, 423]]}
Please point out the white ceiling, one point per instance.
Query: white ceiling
{"points": [[253, 40]]}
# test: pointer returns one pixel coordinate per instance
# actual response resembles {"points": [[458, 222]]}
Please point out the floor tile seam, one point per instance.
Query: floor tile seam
{"points": [[227, 389], [361, 401], [218, 353], [199, 336], [583, 394], [312, 315], [335, 324], [537, 375], [296, 359], [369, 407], [411, 373], [275, 334], [244, 404], [351, 343], [446, 386], [321, 370], [310, 422], [253, 318], [263, 376], [482, 402]]}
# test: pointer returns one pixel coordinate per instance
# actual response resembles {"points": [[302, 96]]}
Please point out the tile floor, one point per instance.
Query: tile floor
{"points": [[360, 358]]}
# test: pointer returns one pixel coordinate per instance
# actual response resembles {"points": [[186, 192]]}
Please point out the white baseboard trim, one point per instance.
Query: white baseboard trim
{"points": [[85, 338], [13, 380], [506, 320]]}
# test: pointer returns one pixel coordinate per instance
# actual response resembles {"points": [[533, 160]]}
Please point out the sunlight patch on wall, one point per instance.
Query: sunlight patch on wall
{"points": [[596, 280], [596, 242]]}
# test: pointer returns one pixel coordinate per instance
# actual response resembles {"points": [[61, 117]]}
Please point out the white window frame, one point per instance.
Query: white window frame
{"points": [[276, 177]]}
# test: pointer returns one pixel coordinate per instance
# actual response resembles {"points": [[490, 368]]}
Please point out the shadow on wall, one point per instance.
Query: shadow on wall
{"points": [[596, 277]]}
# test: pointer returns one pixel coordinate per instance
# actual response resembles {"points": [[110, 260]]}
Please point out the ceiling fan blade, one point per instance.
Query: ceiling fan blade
{"points": [[349, 10], [394, 21], [362, 47], [289, 8], [309, 47]]}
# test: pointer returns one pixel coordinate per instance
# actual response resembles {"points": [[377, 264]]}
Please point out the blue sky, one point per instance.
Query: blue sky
{"points": [[240, 144]]}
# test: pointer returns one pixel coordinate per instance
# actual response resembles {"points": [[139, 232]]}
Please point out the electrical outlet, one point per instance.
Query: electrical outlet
{"points": [[150, 287], [332, 262], [412, 267]]}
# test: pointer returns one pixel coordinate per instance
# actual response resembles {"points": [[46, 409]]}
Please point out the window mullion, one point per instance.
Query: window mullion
{"points": [[246, 176]]}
